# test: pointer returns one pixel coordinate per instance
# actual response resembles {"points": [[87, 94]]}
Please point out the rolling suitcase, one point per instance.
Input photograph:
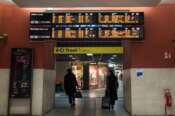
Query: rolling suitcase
{"points": [[105, 102]]}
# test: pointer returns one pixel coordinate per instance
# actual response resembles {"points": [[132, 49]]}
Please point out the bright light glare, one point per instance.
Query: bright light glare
{"points": [[92, 95], [89, 54]]}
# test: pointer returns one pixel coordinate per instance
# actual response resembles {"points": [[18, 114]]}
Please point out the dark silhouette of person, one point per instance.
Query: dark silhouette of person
{"points": [[111, 88], [70, 84]]}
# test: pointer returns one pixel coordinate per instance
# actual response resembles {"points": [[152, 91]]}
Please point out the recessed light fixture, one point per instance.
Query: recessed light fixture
{"points": [[112, 58], [92, 63], [70, 56], [50, 8], [89, 54], [114, 55]]}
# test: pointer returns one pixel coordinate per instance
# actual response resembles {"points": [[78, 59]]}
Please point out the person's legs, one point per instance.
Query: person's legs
{"points": [[73, 99], [112, 102], [70, 99]]}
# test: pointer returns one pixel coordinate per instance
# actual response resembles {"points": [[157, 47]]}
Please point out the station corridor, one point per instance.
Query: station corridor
{"points": [[41, 39], [89, 105]]}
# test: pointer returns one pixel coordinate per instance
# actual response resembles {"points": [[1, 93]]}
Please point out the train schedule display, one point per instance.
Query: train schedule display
{"points": [[90, 26]]}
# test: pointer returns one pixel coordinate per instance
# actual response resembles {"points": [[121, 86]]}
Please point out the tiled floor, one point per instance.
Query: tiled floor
{"points": [[89, 105]]}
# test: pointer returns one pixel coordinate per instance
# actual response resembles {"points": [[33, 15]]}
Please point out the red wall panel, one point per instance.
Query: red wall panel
{"points": [[159, 34], [159, 38], [15, 22]]}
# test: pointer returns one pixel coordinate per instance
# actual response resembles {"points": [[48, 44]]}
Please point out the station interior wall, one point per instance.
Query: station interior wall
{"points": [[148, 55]]}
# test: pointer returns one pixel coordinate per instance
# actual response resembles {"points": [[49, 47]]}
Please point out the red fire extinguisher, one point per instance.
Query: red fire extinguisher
{"points": [[168, 98]]}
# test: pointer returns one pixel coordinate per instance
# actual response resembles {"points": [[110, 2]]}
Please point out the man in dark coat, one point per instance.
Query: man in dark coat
{"points": [[111, 88], [70, 84]]}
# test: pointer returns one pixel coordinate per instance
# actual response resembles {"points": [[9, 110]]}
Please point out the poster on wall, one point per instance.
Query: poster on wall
{"points": [[21, 73]]}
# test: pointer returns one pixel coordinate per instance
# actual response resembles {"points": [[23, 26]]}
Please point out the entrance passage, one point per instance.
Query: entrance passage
{"points": [[87, 106], [90, 66], [90, 71]]}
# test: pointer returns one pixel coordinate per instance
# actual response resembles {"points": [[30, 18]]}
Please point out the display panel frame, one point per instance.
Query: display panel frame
{"points": [[95, 26], [21, 73]]}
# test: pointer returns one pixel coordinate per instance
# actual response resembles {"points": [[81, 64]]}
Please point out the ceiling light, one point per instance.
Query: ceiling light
{"points": [[70, 56], [92, 63], [89, 54], [50, 8], [114, 55], [111, 65]]}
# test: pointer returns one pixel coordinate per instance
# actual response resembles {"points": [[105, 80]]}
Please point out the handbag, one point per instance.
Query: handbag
{"points": [[78, 94]]}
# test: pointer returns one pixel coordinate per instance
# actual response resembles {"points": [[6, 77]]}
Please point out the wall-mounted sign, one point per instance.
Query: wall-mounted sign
{"points": [[21, 73], [86, 50], [139, 73], [117, 17], [90, 26]]}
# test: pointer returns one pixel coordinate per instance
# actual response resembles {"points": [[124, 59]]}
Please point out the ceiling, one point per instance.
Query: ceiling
{"points": [[86, 3], [167, 1], [6, 1], [115, 58]]}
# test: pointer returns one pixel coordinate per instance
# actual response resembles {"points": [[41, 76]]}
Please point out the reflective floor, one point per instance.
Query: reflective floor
{"points": [[89, 105]]}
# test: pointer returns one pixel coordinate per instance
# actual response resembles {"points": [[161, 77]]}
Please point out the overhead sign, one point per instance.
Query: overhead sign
{"points": [[86, 50], [86, 26]]}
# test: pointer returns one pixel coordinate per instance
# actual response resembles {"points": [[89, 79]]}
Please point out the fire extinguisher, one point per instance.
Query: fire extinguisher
{"points": [[168, 98]]}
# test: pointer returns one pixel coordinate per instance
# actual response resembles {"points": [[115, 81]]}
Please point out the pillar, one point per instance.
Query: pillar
{"points": [[154, 59], [85, 76], [43, 85]]}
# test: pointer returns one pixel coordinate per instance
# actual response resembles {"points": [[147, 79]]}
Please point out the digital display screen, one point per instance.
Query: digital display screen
{"points": [[21, 73], [89, 26]]}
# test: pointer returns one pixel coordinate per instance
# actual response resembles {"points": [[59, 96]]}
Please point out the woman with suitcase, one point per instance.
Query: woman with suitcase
{"points": [[111, 88]]}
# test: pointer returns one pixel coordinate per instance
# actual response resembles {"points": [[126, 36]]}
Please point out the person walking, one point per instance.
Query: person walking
{"points": [[70, 84], [111, 88]]}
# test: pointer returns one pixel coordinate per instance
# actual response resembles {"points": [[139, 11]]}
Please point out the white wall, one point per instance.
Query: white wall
{"points": [[147, 93], [4, 88], [43, 91], [127, 89], [19, 106], [49, 90], [37, 96]]}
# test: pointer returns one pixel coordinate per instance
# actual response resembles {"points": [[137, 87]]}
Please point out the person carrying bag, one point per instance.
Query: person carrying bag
{"points": [[106, 101], [111, 91]]}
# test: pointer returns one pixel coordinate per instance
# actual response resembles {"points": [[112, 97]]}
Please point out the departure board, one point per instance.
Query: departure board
{"points": [[90, 26]]}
